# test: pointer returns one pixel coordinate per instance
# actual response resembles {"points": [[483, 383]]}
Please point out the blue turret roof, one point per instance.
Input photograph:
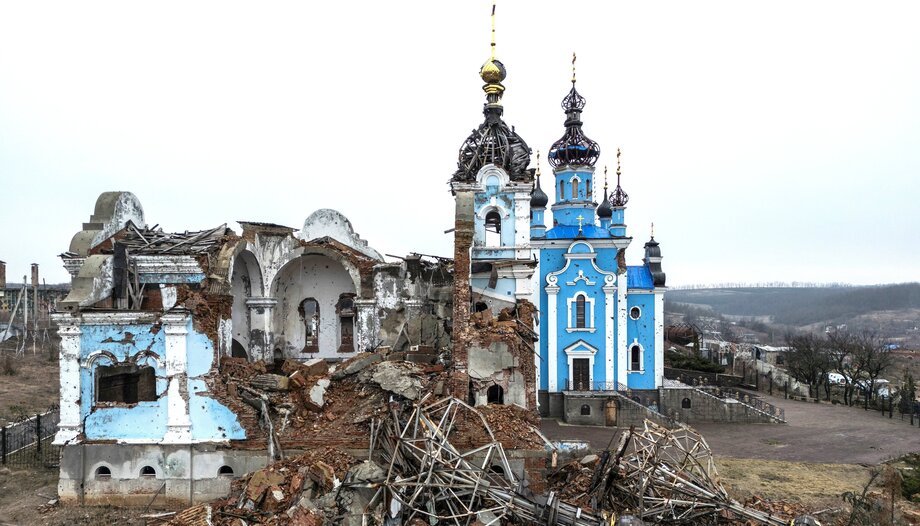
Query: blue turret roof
{"points": [[639, 277], [571, 232]]}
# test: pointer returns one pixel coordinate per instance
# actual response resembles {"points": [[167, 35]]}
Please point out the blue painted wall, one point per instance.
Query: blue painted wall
{"points": [[147, 420], [643, 331]]}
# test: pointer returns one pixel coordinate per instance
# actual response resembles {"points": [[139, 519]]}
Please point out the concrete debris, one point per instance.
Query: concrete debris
{"points": [[270, 382], [317, 395], [356, 365], [396, 378]]}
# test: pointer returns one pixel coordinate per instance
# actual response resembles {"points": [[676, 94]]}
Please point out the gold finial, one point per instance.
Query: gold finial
{"points": [[653, 229], [493, 72], [573, 68], [581, 221], [618, 167], [493, 29], [605, 178], [538, 164]]}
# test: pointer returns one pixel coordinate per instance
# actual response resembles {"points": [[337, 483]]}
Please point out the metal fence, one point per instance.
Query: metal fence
{"points": [[28, 442], [570, 385], [746, 398]]}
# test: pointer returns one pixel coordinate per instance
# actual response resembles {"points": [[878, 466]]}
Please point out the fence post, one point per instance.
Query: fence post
{"points": [[3, 445], [38, 434]]}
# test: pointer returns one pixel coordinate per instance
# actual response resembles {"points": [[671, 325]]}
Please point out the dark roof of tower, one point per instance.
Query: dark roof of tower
{"points": [[538, 199], [604, 210], [493, 143], [574, 147]]}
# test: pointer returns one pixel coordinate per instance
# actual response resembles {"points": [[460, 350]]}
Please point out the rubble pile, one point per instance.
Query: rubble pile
{"points": [[298, 491], [660, 475]]}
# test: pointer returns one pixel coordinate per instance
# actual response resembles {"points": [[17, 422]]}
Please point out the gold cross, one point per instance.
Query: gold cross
{"points": [[581, 220]]}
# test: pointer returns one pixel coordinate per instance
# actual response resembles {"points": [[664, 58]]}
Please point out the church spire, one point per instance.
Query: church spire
{"points": [[574, 148], [619, 197], [493, 73], [494, 142], [603, 210]]}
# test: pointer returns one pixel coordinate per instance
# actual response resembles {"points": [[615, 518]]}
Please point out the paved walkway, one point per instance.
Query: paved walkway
{"points": [[814, 433]]}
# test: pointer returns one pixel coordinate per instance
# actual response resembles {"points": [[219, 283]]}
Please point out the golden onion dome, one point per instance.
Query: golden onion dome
{"points": [[492, 72]]}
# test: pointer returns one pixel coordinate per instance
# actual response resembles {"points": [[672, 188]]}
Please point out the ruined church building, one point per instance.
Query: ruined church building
{"points": [[152, 314]]}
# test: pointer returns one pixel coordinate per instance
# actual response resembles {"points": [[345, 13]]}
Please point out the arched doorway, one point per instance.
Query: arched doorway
{"points": [[495, 395]]}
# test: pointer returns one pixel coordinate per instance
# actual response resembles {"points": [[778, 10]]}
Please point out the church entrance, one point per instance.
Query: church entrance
{"points": [[581, 380]]}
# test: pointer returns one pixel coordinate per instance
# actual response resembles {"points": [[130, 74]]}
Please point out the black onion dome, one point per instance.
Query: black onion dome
{"points": [[652, 249], [493, 142], [538, 199], [604, 210], [574, 148]]}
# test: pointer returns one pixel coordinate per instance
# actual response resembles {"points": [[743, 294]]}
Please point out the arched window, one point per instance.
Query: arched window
{"points": [[580, 312], [148, 472], [103, 473], [635, 313], [685, 403], [635, 358], [585, 410], [225, 471], [561, 190], [345, 309], [495, 395], [493, 229], [588, 189], [574, 188], [309, 312]]}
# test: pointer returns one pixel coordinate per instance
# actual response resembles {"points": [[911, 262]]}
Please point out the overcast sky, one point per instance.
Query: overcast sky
{"points": [[769, 141]]}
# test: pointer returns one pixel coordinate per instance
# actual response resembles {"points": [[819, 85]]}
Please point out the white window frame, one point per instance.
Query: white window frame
{"points": [[581, 349], [589, 314], [630, 312], [578, 186], [641, 369]]}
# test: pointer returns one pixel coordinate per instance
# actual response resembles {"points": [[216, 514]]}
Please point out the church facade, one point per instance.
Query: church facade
{"points": [[601, 321]]}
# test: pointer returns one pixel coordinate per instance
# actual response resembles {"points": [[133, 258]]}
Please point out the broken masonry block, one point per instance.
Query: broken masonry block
{"points": [[270, 382], [356, 364]]}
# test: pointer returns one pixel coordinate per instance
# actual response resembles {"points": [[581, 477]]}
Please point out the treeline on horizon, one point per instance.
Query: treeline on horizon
{"points": [[802, 305]]}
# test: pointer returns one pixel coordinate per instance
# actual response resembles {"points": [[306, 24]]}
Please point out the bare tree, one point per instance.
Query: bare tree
{"points": [[840, 350], [874, 358], [807, 359]]}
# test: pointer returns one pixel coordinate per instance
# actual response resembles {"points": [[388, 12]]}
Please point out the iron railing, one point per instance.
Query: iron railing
{"points": [[570, 385], [28, 442], [746, 398]]}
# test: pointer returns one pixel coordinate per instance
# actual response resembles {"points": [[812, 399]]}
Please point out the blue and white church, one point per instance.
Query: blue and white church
{"points": [[601, 321]]}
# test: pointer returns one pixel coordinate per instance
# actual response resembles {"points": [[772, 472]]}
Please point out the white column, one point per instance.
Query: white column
{"points": [[260, 328], [69, 427], [609, 349], [366, 324], [659, 338], [178, 423], [622, 351], [552, 358]]}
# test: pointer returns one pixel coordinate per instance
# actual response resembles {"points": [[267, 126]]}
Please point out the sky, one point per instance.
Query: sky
{"points": [[770, 141]]}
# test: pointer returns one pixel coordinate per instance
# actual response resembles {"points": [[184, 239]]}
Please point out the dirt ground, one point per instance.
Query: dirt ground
{"points": [[816, 485], [32, 387], [24, 501]]}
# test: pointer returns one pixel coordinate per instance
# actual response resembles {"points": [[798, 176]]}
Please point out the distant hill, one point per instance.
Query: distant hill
{"points": [[803, 306]]}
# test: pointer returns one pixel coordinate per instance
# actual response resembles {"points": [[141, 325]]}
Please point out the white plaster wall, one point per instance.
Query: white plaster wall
{"points": [[318, 277], [326, 222], [240, 288]]}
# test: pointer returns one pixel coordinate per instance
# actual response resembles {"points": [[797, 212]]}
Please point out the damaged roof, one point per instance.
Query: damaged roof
{"points": [[156, 242]]}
